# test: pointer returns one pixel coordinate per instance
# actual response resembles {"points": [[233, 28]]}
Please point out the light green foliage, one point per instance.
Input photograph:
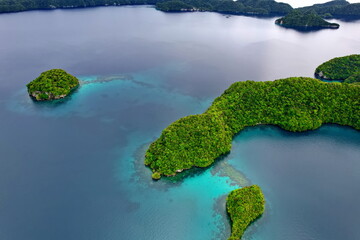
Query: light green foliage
{"points": [[244, 206], [208, 135], [307, 20], [294, 104], [341, 68], [52, 84]]}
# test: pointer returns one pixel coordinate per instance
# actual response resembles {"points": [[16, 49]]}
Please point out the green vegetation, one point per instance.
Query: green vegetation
{"points": [[52, 84], [333, 9], [244, 7], [342, 68], [294, 104], [305, 21], [336, 9], [24, 5], [244, 206], [248, 7]]}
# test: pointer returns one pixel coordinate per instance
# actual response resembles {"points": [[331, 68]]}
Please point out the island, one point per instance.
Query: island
{"points": [[244, 206], [248, 7], [52, 84], [345, 69], [305, 20], [295, 104], [340, 9]]}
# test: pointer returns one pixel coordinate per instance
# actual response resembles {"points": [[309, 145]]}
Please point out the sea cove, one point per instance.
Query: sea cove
{"points": [[73, 169]]}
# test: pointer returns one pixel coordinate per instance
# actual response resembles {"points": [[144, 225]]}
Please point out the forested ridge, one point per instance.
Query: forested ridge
{"points": [[294, 104], [345, 68], [336, 9], [333, 9]]}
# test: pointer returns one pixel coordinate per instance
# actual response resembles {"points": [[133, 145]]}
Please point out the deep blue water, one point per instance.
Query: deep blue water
{"points": [[73, 169]]}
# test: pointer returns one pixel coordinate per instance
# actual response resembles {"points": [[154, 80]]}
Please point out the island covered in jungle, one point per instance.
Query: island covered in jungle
{"points": [[303, 20], [52, 84], [294, 104]]}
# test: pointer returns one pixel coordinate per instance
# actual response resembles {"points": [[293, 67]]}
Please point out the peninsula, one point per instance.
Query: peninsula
{"points": [[345, 69], [305, 21], [295, 104], [52, 84], [244, 206]]}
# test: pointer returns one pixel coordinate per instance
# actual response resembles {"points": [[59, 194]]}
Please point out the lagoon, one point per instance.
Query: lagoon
{"points": [[73, 169]]}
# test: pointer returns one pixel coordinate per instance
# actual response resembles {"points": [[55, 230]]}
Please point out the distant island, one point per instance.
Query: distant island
{"points": [[305, 20], [333, 9], [245, 7], [340, 9], [244, 206], [52, 84], [345, 69]]}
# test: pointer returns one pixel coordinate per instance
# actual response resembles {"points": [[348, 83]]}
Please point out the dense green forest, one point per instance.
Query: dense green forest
{"points": [[335, 9], [341, 68], [52, 84], [262, 7], [244, 206], [243, 7], [294, 104], [305, 20]]}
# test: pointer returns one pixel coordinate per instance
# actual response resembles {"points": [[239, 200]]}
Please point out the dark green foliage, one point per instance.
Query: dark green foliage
{"points": [[257, 7], [355, 78], [304, 20], [340, 68], [244, 206], [294, 104], [336, 9], [174, 6], [245, 7], [52, 84]]}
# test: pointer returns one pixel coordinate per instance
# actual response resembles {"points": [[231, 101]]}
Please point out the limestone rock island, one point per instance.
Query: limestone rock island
{"points": [[52, 84], [308, 20]]}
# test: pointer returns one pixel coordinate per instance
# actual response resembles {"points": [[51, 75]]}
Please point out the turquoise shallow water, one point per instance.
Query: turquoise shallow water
{"points": [[73, 169]]}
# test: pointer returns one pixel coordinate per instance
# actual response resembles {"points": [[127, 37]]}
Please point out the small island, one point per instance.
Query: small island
{"points": [[305, 21], [52, 84], [345, 69], [244, 206]]}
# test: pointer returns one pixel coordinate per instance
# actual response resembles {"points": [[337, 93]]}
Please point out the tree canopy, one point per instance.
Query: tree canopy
{"points": [[244, 206], [345, 68], [52, 84], [294, 104]]}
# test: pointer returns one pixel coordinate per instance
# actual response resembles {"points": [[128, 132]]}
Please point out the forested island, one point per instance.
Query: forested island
{"points": [[345, 69], [333, 9], [52, 84], [305, 20], [244, 206], [340, 9], [294, 104]]}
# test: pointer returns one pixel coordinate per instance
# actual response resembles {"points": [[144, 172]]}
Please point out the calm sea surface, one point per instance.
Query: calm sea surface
{"points": [[73, 169]]}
